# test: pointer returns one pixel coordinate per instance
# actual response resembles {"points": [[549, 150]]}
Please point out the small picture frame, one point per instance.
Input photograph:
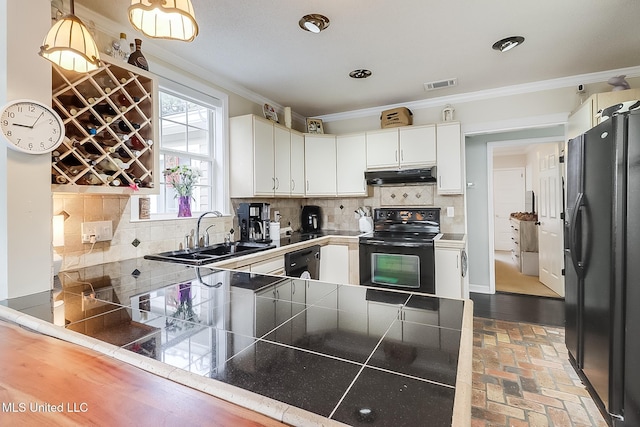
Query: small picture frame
{"points": [[314, 126]]}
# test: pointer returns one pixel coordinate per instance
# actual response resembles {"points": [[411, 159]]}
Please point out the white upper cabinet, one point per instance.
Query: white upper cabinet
{"points": [[351, 164], [320, 165], [449, 156], [402, 147], [263, 158], [417, 145], [296, 184], [282, 163], [266, 159], [382, 149]]}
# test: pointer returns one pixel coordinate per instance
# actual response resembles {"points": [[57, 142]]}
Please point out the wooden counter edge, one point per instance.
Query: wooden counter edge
{"points": [[266, 406], [464, 377]]}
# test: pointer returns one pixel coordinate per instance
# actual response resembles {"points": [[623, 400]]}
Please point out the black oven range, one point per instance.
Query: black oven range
{"points": [[399, 253]]}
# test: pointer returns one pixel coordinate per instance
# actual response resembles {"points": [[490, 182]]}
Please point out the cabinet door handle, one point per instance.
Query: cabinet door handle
{"points": [[396, 155], [293, 287], [457, 258], [273, 187], [307, 185], [440, 181], [277, 183], [402, 155], [293, 185]]}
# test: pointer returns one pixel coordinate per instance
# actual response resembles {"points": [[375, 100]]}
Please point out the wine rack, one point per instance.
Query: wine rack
{"points": [[109, 130]]}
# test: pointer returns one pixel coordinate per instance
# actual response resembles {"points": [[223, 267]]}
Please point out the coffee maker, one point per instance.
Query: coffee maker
{"points": [[253, 220]]}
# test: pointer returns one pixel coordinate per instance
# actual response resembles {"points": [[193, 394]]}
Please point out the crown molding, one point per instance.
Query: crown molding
{"points": [[520, 89], [154, 50]]}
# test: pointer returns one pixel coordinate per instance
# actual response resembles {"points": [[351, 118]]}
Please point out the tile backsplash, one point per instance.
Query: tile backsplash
{"points": [[131, 239], [339, 213], [134, 239]]}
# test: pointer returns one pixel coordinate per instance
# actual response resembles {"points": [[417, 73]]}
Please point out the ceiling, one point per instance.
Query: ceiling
{"points": [[259, 46]]}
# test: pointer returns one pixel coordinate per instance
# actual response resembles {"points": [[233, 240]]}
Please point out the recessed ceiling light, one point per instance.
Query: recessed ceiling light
{"points": [[360, 74], [508, 43], [314, 22]]}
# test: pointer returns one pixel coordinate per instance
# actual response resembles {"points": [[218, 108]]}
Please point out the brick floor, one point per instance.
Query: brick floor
{"points": [[522, 378]]}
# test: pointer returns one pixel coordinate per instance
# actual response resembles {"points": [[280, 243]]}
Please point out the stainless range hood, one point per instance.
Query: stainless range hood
{"points": [[402, 176]]}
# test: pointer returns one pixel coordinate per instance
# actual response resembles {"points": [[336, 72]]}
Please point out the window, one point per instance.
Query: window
{"points": [[190, 133]]}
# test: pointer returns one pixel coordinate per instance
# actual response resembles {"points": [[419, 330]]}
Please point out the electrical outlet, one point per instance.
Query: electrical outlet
{"points": [[450, 211], [101, 231], [97, 298]]}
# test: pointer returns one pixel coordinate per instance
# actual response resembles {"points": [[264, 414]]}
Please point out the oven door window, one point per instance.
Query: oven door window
{"points": [[396, 270]]}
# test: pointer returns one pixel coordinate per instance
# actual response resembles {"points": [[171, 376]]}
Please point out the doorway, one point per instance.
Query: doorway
{"points": [[516, 178]]}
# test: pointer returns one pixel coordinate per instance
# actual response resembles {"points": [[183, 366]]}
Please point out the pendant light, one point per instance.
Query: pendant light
{"points": [[164, 19], [70, 45]]}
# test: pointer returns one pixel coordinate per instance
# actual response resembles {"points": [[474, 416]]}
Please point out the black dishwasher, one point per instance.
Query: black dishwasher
{"points": [[303, 263]]}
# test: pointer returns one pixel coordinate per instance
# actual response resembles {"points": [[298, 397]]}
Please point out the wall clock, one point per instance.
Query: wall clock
{"points": [[31, 126]]}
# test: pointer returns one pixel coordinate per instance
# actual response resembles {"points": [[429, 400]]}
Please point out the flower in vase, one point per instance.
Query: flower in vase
{"points": [[182, 179]]}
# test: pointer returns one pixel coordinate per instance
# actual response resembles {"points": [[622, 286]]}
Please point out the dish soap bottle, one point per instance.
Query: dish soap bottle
{"points": [[137, 58]]}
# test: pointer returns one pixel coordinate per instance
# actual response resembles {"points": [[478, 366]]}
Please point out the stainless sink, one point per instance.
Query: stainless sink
{"points": [[210, 254]]}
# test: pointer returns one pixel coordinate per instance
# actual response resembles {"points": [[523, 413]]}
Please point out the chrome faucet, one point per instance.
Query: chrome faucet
{"points": [[196, 243]]}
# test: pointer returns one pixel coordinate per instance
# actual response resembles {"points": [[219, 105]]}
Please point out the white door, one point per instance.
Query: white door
{"points": [[508, 197], [549, 209]]}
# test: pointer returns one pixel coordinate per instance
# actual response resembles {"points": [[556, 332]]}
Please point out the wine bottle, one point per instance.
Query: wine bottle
{"points": [[88, 149], [137, 58], [134, 142], [124, 101], [105, 109], [93, 179], [125, 51], [113, 165], [124, 127], [72, 103]]}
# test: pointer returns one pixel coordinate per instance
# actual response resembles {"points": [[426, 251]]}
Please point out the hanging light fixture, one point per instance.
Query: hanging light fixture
{"points": [[70, 45], [164, 19]]}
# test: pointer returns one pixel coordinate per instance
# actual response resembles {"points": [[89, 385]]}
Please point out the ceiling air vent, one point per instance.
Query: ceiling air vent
{"points": [[440, 84]]}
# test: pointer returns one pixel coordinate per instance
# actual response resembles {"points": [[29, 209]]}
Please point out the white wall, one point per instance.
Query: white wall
{"points": [[25, 195]]}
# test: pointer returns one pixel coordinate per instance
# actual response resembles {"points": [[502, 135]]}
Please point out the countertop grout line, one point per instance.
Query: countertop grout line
{"points": [[365, 363]]}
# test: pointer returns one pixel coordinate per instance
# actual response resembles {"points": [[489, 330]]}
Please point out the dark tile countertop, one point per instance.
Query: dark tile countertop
{"points": [[349, 353]]}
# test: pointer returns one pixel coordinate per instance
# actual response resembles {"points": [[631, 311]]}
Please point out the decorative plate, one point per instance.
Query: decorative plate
{"points": [[270, 113]]}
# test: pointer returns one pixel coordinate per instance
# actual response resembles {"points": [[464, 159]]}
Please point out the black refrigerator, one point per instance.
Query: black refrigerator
{"points": [[602, 264]]}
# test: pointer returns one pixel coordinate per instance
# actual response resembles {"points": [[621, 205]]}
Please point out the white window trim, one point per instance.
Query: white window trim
{"points": [[207, 95]]}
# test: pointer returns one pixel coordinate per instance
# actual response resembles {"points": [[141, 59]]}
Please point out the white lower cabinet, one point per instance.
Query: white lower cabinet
{"points": [[450, 282], [320, 165], [334, 264]]}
